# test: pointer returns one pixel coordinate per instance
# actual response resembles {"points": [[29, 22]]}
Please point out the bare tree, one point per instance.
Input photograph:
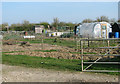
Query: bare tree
{"points": [[87, 21], [113, 20], [102, 18], [55, 22], [62, 24], [25, 22]]}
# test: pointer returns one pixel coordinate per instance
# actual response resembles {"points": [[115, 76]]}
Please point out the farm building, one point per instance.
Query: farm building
{"points": [[38, 28], [94, 30], [116, 28]]}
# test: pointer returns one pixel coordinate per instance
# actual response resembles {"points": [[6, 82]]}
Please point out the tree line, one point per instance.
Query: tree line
{"points": [[27, 26], [100, 19]]}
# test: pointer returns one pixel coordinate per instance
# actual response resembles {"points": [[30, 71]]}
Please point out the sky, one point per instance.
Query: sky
{"points": [[119, 11], [36, 12]]}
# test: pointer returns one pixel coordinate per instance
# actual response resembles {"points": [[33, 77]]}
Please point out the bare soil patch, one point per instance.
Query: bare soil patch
{"points": [[60, 53]]}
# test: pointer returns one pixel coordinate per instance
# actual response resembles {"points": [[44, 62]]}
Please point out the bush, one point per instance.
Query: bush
{"points": [[68, 35]]}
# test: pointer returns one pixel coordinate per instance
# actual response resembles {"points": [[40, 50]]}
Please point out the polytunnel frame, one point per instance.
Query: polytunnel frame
{"points": [[95, 62], [82, 31], [94, 29]]}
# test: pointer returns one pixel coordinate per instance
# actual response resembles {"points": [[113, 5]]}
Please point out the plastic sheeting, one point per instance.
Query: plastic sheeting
{"points": [[93, 30]]}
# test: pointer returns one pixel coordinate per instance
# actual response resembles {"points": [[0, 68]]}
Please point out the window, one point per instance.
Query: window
{"points": [[103, 27]]}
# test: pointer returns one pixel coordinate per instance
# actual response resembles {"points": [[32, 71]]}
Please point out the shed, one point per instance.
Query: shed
{"points": [[39, 28], [116, 28], [94, 30]]}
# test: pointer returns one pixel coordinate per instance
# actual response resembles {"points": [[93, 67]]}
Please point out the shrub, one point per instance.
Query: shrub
{"points": [[68, 35]]}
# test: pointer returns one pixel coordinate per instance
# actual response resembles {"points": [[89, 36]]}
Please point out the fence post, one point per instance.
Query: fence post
{"points": [[81, 54], [42, 43], [108, 43], [88, 41]]}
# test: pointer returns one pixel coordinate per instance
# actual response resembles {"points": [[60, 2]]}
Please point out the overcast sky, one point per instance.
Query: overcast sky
{"points": [[36, 12]]}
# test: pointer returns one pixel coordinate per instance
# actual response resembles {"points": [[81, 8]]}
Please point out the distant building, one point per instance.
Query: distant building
{"points": [[52, 34], [39, 28]]}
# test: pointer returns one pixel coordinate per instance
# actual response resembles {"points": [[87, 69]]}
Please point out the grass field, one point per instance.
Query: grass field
{"points": [[69, 43], [51, 63], [60, 42]]}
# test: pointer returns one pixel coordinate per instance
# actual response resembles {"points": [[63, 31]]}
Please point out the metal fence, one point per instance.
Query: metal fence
{"points": [[100, 56]]}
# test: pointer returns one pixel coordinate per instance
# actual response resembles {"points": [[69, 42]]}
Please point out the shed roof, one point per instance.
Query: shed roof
{"points": [[116, 26]]}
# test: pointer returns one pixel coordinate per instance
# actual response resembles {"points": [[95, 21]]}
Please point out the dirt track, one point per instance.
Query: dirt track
{"points": [[22, 74]]}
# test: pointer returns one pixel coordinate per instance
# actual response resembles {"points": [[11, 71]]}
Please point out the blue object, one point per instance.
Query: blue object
{"points": [[46, 32], [110, 34], [116, 34]]}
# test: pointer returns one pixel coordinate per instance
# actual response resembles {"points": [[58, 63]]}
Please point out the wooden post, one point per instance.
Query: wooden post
{"points": [[108, 43], [88, 41], [42, 43], [76, 42], [101, 32], [106, 31], [80, 43], [81, 55]]}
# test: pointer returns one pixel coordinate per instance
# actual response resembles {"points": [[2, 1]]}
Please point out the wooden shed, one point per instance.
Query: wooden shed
{"points": [[39, 28], [116, 28]]}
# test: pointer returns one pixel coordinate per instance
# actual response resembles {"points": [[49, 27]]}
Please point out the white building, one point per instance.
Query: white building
{"points": [[55, 34], [38, 28]]}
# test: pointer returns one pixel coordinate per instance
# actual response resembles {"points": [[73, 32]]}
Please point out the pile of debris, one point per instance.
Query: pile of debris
{"points": [[9, 42], [24, 43], [13, 42]]}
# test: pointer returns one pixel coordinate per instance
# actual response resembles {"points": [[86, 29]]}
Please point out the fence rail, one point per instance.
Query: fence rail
{"points": [[102, 62], [99, 55]]}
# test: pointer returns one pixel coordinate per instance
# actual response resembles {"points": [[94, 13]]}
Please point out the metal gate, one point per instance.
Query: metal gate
{"points": [[100, 56]]}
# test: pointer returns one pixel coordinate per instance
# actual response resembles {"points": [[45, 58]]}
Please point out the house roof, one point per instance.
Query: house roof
{"points": [[37, 25], [41, 26]]}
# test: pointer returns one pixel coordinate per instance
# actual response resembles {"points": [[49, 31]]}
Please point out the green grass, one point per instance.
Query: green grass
{"points": [[106, 67], [51, 63], [70, 44], [52, 50], [100, 43], [8, 36], [39, 62], [13, 51]]}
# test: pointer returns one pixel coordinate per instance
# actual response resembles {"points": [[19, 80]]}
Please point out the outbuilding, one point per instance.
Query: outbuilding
{"points": [[94, 30], [116, 28], [39, 28]]}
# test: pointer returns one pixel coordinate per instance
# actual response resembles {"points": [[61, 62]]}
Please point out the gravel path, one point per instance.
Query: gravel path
{"points": [[23, 74]]}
